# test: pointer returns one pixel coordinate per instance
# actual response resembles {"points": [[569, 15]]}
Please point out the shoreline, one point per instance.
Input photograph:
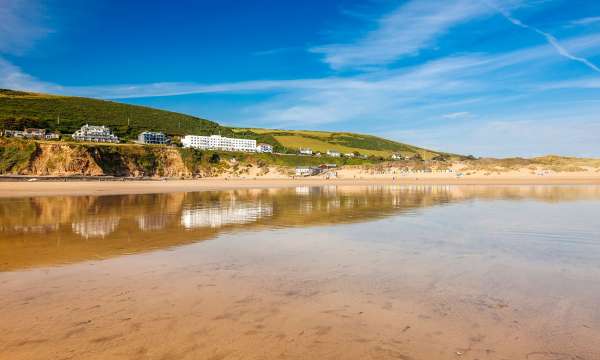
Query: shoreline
{"points": [[115, 187]]}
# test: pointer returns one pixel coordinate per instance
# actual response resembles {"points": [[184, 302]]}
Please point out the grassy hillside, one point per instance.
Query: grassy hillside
{"points": [[33, 110], [66, 114], [343, 142]]}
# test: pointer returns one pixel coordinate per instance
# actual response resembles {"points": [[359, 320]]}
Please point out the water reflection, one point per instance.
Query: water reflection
{"points": [[53, 230], [96, 227], [225, 214]]}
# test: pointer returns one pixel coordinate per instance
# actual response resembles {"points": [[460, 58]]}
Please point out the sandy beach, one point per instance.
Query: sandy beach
{"points": [[48, 188]]}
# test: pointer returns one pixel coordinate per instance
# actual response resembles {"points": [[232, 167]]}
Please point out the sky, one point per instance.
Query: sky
{"points": [[482, 77]]}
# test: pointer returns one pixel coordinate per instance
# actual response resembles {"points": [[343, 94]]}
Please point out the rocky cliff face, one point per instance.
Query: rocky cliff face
{"points": [[64, 159]]}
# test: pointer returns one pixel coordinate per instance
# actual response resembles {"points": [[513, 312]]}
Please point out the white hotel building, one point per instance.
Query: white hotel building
{"points": [[218, 142]]}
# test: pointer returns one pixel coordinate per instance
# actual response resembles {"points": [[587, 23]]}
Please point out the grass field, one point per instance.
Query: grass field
{"points": [[344, 142], [299, 141]]}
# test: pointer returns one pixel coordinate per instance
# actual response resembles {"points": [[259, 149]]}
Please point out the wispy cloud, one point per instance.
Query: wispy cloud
{"points": [[586, 21], [551, 40], [13, 77], [549, 133], [572, 84], [457, 115], [404, 32], [20, 25], [276, 51]]}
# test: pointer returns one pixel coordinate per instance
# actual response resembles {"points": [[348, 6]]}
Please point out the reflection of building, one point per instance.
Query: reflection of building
{"points": [[152, 222], [215, 217], [35, 229], [218, 142], [96, 227], [149, 137], [302, 190], [95, 134]]}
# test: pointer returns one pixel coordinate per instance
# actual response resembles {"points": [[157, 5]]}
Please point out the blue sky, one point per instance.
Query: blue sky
{"points": [[483, 77]]}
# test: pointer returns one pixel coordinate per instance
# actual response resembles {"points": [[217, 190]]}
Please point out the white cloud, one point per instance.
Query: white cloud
{"points": [[20, 25], [410, 28]]}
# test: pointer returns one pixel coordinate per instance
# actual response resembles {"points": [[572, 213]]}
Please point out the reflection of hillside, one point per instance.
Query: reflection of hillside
{"points": [[48, 230]]}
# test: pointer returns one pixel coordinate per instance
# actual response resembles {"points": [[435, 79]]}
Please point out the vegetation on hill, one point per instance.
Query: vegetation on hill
{"points": [[344, 142], [67, 114], [15, 156]]}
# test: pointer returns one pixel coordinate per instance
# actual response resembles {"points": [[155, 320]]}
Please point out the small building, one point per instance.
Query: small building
{"points": [[264, 148], [218, 142], [333, 153], [306, 151], [307, 171], [52, 136], [150, 137], [31, 133], [95, 134], [350, 155], [397, 157]]}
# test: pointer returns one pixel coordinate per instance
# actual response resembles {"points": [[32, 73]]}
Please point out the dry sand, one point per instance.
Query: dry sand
{"points": [[345, 177]]}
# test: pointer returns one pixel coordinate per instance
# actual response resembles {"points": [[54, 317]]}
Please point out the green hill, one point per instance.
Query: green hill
{"points": [[68, 113], [344, 142]]}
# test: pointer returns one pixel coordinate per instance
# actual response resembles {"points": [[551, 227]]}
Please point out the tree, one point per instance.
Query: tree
{"points": [[214, 158], [417, 157]]}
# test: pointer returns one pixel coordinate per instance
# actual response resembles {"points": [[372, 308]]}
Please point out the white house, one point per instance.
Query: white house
{"points": [[264, 148], [306, 151], [31, 133], [333, 153], [397, 157], [350, 155], [218, 142], [95, 134]]}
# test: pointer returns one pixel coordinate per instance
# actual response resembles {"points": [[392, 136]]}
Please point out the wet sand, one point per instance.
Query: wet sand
{"points": [[456, 273], [46, 188], [197, 303]]}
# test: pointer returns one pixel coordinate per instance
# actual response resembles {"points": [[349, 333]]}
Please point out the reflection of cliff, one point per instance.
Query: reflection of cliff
{"points": [[47, 230]]}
